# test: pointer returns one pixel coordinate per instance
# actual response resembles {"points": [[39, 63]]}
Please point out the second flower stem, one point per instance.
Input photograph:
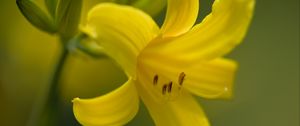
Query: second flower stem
{"points": [[54, 103], [49, 101]]}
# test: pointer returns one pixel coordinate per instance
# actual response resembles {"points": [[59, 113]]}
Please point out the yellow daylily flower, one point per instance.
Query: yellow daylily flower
{"points": [[166, 65]]}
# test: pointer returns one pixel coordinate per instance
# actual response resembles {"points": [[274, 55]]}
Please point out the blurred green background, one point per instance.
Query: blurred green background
{"points": [[267, 84]]}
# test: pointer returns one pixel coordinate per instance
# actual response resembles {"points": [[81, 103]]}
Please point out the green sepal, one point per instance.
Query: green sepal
{"points": [[85, 44], [68, 17], [36, 16], [51, 6]]}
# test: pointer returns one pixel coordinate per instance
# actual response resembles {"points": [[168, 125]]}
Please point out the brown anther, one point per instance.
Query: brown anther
{"points": [[181, 78], [170, 87], [155, 79], [164, 89]]}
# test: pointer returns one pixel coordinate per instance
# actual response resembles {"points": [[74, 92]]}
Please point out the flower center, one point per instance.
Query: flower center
{"points": [[169, 89]]}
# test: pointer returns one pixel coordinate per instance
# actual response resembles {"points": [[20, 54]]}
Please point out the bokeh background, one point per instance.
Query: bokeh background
{"points": [[267, 84]]}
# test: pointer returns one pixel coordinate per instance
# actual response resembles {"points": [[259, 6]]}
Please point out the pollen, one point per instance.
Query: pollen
{"points": [[167, 88], [170, 87], [164, 89], [155, 79], [181, 78]]}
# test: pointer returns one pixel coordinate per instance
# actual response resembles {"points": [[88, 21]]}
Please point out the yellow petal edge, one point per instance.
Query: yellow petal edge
{"points": [[181, 16], [113, 109], [122, 31]]}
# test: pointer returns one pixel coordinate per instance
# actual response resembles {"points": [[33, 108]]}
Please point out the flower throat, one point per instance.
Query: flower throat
{"points": [[170, 90]]}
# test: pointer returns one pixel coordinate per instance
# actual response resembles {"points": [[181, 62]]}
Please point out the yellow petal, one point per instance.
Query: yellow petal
{"points": [[182, 111], [113, 109], [122, 31], [213, 79], [209, 79], [218, 34], [181, 16]]}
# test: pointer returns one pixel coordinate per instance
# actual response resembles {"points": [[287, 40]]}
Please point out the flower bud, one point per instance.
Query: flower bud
{"points": [[36, 16], [51, 6], [68, 17]]}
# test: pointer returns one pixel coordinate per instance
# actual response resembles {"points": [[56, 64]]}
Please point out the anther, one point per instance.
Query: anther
{"points": [[164, 89], [181, 78], [170, 87], [155, 79]]}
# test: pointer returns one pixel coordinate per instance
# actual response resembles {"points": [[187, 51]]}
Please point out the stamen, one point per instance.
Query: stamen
{"points": [[164, 89], [155, 79], [170, 87], [181, 78]]}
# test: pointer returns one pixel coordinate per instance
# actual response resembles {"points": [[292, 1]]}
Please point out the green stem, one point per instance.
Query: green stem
{"points": [[49, 101]]}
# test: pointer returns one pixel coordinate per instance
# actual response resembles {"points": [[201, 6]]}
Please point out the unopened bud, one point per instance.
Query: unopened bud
{"points": [[36, 16], [68, 17]]}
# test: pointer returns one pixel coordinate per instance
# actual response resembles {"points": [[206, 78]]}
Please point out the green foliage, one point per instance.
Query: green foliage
{"points": [[84, 43], [36, 16], [68, 17], [51, 6], [64, 16]]}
